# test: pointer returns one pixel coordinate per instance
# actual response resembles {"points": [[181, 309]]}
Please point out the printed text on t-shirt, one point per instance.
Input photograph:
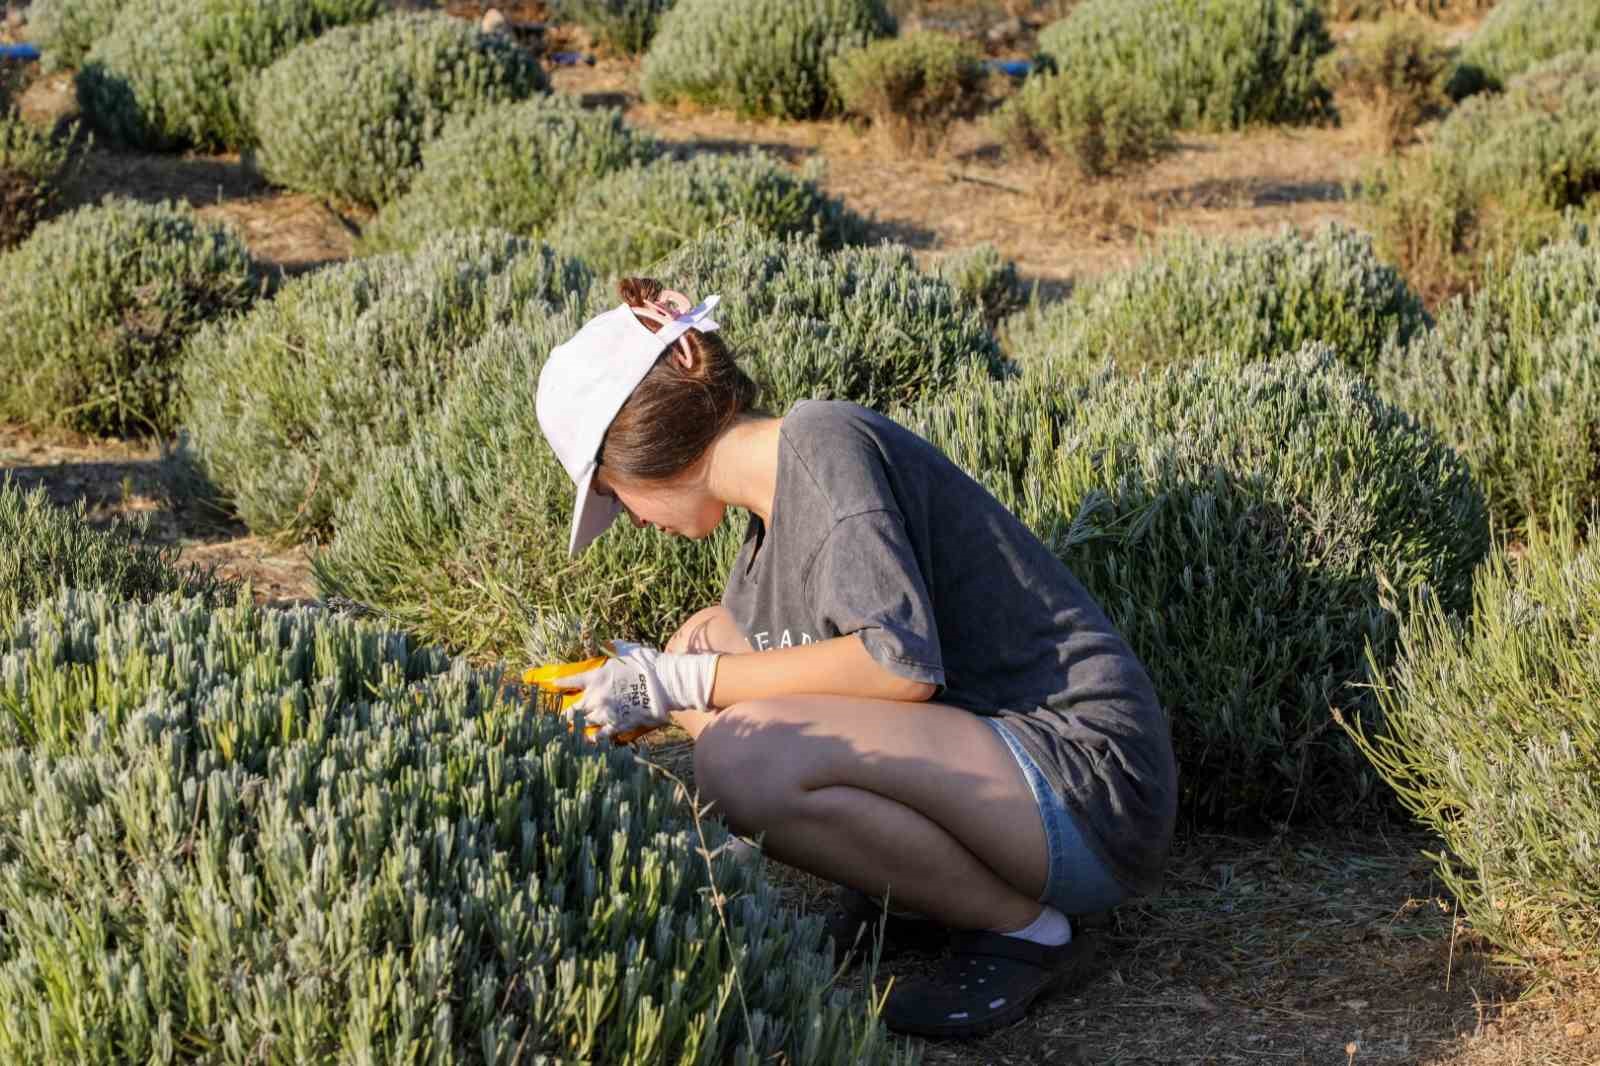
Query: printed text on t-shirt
{"points": [[764, 642]]}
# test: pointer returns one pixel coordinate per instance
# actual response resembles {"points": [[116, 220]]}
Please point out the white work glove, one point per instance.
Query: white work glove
{"points": [[641, 686]]}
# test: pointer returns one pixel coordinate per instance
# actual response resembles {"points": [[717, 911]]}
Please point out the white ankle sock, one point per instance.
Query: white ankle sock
{"points": [[1050, 928]]}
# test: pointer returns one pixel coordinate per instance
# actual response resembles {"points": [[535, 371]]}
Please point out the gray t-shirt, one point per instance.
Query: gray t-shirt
{"points": [[874, 531]]}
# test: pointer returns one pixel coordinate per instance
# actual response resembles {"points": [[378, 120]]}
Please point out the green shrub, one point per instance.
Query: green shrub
{"points": [[758, 57], [670, 202], [1398, 71], [1511, 381], [1217, 64], [861, 324], [172, 73], [1521, 34], [1491, 737], [100, 302], [1258, 298], [1350, 10], [346, 115], [32, 164], [244, 832], [1498, 177], [626, 26], [1242, 527], [513, 167], [912, 87], [986, 278], [287, 405], [461, 534], [65, 30], [1098, 126], [45, 548]]}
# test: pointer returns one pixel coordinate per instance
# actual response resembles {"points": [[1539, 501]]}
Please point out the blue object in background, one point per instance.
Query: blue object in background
{"points": [[570, 59], [1016, 68], [24, 52]]}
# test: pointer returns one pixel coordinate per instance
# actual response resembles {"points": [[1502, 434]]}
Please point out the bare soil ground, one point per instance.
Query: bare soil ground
{"points": [[1339, 949]]}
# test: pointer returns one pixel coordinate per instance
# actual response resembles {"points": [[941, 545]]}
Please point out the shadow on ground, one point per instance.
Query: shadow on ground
{"points": [[139, 481], [1252, 192]]}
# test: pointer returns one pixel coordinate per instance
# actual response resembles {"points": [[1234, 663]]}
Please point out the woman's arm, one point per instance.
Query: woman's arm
{"points": [[841, 666]]}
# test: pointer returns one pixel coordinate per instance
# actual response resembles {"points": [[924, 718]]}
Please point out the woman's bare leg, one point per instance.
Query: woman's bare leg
{"points": [[921, 801]]}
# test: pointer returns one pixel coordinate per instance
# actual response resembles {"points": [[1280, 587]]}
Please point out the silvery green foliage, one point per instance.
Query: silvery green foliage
{"points": [[758, 57], [1259, 298], [172, 73], [1491, 737], [241, 834], [1502, 174], [44, 548], [31, 165], [986, 278], [1245, 527], [1218, 64], [289, 405], [1511, 379], [1520, 34], [65, 30], [462, 534], [346, 115], [626, 221], [912, 86], [99, 304], [862, 324], [514, 167], [625, 26], [1099, 125]]}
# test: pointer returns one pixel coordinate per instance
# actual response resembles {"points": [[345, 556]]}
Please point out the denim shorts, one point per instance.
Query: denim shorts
{"points": [[1078, 881]]}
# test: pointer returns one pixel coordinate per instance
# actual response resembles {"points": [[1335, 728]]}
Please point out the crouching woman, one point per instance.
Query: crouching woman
{"points": [[901, 691]]}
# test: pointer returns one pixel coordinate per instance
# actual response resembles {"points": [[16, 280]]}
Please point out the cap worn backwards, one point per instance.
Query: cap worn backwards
{"points": [[584, 384]]}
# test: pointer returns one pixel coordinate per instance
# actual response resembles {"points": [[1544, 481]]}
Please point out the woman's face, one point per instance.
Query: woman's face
{"points": [[682, 507]]}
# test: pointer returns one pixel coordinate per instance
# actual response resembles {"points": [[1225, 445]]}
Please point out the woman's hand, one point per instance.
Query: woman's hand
{"points": [[640, 686]]}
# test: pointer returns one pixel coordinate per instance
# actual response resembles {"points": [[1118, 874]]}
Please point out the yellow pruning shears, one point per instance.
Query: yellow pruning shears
{"points": [[554, 697]]}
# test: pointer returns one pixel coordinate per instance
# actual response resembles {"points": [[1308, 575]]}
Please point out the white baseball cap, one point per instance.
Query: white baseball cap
{"points": [[584, 384]]}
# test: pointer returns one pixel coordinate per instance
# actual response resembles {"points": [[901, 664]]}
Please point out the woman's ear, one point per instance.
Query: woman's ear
{"points": [[682, 356]]}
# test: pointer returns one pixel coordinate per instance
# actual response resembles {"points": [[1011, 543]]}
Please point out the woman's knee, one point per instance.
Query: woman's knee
{"points": [[735, 768], [709, 629]]}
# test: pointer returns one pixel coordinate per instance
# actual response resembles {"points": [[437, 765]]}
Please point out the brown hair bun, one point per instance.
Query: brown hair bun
{"points": [[695, 391]]}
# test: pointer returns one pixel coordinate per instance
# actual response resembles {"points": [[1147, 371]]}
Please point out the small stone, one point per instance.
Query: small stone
{"points": [[744, 851], [494, 22], [1008, 30], [1576, 1029]]}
